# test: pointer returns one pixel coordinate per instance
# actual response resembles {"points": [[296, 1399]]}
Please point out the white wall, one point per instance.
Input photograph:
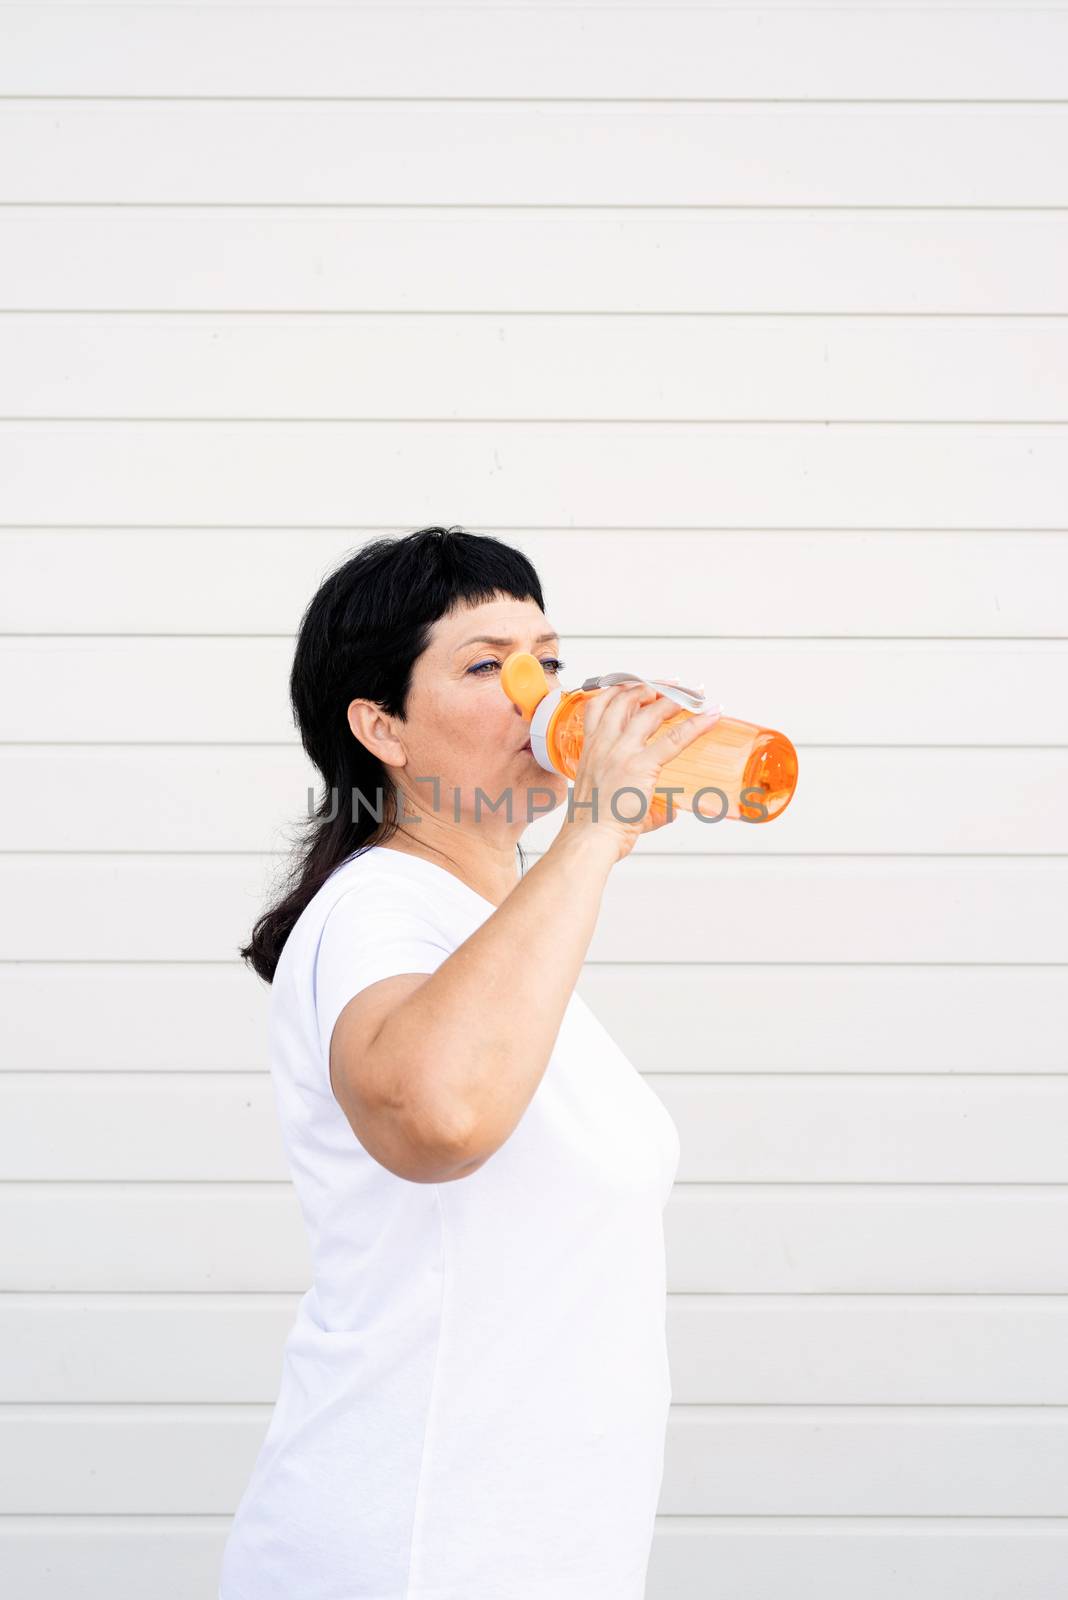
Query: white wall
{"points": [[748, 325]]}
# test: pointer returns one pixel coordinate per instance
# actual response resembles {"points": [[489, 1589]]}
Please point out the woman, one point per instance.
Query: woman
{"points": [[475, 1389]]}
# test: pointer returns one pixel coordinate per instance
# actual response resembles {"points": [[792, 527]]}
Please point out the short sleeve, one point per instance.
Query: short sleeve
{"points": [[377, 929]]}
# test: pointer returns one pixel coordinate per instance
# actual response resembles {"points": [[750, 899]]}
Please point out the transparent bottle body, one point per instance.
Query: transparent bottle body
{"points": [[747, 773]]}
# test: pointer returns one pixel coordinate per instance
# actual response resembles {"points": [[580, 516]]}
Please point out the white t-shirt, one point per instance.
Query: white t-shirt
{"points": [[475, 1391]]}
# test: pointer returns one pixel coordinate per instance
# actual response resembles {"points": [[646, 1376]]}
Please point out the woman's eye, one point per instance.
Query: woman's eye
{"points": [[551, 664]]}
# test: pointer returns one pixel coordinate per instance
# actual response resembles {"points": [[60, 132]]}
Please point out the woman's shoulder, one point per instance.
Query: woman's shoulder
{"points": [[379, 878], [378, 888], [375, 874], [361, 876]]}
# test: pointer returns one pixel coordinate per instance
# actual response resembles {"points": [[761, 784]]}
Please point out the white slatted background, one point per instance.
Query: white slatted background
{"points": [[748, 324]]}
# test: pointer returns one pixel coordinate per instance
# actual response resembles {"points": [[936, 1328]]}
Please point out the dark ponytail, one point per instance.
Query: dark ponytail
{"points": [[359, 638]]}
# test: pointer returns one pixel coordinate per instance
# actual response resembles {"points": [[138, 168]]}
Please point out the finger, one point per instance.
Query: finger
{"points": [[596, 706], [622, 707], [648, 718]]}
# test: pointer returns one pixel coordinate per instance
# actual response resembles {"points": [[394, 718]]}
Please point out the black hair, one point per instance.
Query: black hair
{"points": [[359, 638]]}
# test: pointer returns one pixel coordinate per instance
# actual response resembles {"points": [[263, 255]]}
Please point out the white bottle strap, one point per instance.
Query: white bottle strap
{"points": [[691, 699]]}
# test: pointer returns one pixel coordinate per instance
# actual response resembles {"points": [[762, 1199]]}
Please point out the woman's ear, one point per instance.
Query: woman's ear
{"points": [[377, 732]]}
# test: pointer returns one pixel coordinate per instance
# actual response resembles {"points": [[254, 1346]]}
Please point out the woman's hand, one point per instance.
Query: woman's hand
{"points": [[615, 756]]}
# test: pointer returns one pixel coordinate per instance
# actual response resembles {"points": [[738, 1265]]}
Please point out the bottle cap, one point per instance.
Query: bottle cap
{"points": [[524, 682]]}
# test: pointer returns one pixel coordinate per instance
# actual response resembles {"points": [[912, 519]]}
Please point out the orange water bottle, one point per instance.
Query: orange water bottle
{"points": [[736, 769]]}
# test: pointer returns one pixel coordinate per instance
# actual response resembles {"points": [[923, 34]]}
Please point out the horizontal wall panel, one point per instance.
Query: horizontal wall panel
{"points": [[514, 368], [194, 1016], [835, 1130], [137, 691], [931, 6], [734, 1129], [808, 1558], [157, 797], [131, 1459], [155, 1347], [899, 1461], [851, 1019], [118, 1557], [154, 1236], [611, 474], [724, 1349], [335, 152], [868, 909], [189, 798], [873, 1239], [251, 259], [221, 1126], [901, 1018], [662, 908], [906, 1350], [723, 1239], [778, 584], [831, 1559], [603, 52], [735, 1460]]}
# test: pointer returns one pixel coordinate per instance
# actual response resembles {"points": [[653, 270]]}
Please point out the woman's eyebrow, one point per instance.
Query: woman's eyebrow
{"points": [[487, 638]]}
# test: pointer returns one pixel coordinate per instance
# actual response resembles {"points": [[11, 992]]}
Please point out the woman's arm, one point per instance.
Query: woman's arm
{"points": [[450, 1062], [435, 1071]]}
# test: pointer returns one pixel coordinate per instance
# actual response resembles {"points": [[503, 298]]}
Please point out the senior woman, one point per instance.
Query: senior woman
{"points": [[475, 1389]]}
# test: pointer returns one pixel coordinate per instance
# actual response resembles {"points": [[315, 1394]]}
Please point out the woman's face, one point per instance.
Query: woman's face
{"points": [[463, 729]]}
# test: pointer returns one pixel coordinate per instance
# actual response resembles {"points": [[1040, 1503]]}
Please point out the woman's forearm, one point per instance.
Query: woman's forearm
{"points": [[482, 1027]]}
